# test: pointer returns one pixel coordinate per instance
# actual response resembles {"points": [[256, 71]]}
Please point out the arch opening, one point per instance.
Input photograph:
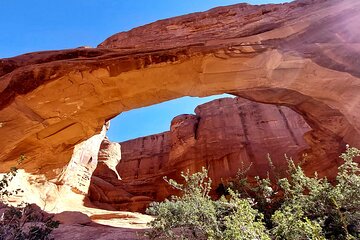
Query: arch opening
{"points": [[223, 135], [153, 119]]}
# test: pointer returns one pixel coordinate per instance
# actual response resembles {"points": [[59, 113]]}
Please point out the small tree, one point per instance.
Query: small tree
{"points": [[194, 215]]}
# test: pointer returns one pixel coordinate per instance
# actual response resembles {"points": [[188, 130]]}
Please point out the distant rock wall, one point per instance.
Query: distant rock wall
{"points": [[224, 136]]}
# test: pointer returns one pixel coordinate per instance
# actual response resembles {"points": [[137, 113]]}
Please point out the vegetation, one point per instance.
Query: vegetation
{"points": [[4, 184], [195, 215], [25, 222], [296, 207]]}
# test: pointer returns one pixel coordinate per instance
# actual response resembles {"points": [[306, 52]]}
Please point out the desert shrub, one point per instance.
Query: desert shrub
{"points": [[243, 222], [291, 223], [25, 222], [194, 215], [295, 207], [302, 207], [263, 191], [335, 207]]}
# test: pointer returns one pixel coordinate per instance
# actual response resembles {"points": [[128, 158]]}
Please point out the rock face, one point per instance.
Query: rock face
{"points": [[83, 163], [224, 135], [109, 156], [67, 192], [303, 55]]}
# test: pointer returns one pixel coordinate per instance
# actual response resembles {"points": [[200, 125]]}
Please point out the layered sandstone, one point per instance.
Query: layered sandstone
{"points": [[223, 136], [303, 55]]}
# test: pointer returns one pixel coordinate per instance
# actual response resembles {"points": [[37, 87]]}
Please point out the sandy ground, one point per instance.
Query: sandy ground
{"points": [[105, 225]]}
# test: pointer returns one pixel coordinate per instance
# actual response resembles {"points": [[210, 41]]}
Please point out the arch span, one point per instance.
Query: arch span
{"points": [[303, 55]]}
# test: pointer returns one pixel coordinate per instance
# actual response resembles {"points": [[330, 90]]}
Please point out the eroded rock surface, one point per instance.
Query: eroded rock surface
{"points": [[224, 135]]}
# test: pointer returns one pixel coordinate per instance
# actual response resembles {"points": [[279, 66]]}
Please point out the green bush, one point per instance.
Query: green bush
{"points": [[297, 207], [243, 222], [302, 207], [291, 223], [335, 207], [195, 216]]}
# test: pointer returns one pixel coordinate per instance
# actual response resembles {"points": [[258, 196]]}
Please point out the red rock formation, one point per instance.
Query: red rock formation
{"points": [[303, 55], [109, 156], [224, 136]]}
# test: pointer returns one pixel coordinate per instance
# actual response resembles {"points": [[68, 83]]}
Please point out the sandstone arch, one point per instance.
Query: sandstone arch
{"points": [[304, 55]]}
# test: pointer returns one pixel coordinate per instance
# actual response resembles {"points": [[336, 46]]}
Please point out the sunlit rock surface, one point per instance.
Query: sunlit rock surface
{"points": [[303, 55]]}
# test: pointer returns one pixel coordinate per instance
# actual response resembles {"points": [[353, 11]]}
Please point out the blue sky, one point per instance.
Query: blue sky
{"points": [[27, 26]]}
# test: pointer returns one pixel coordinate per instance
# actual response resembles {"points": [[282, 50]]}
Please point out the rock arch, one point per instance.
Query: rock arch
{"points": [[303, 54]]}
